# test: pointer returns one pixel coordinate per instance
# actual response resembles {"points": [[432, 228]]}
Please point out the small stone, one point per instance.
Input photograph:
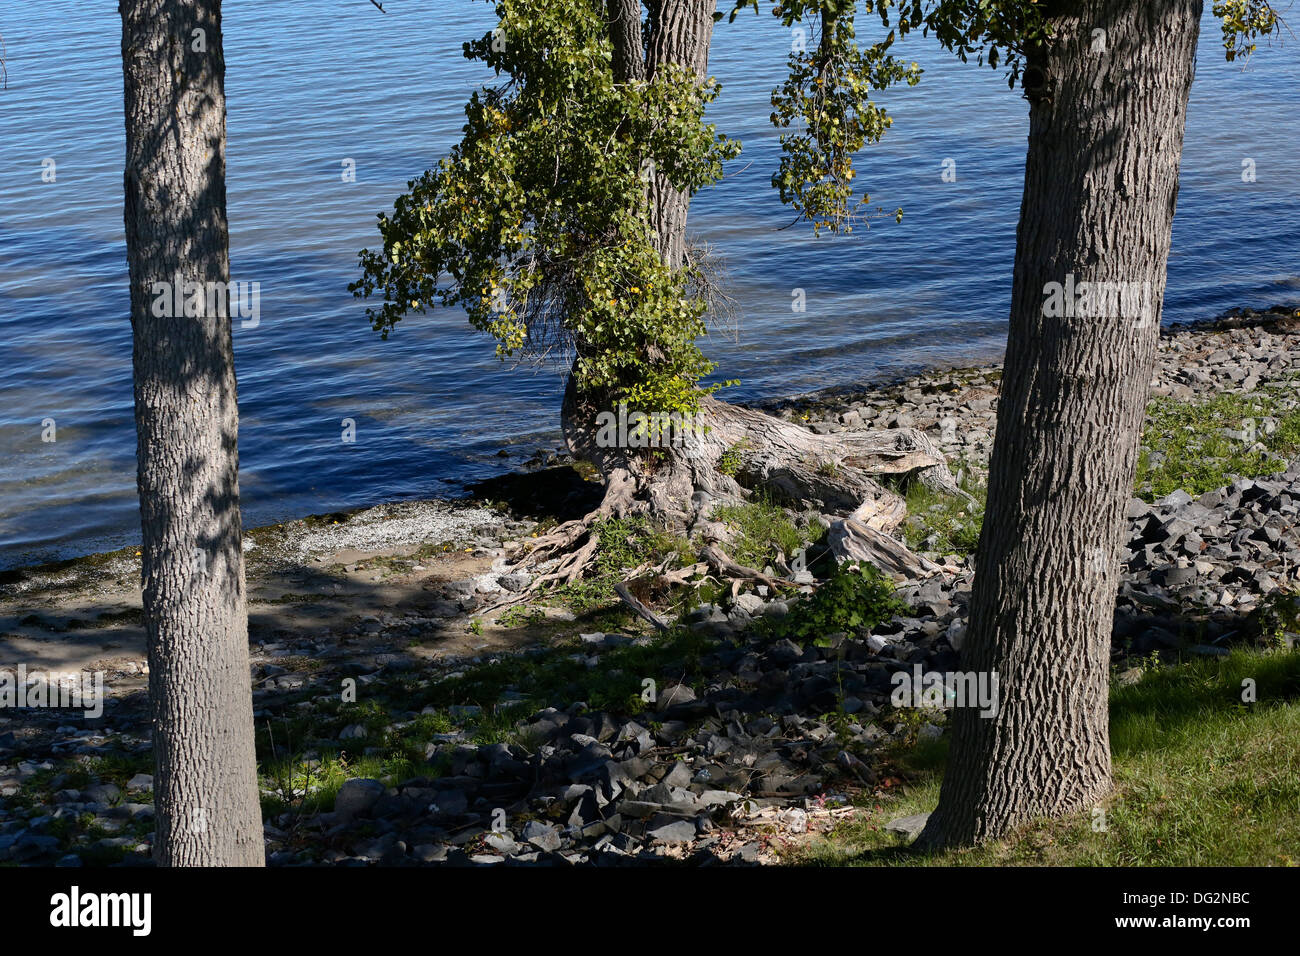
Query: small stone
{"points": [[681, 831], [541, 835], [909, 827], [675, 694], [358, 795], [430, 852], [101, 793], [503, 843], [515, 581]]}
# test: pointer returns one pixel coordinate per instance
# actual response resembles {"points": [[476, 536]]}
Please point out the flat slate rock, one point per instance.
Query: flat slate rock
{"points": [[909, 827]]}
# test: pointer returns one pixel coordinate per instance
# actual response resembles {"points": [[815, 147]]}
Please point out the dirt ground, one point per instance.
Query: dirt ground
{"points": [[324, 580]]}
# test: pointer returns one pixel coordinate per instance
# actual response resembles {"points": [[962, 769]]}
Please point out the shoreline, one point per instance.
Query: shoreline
{"points": [[911, 393]]}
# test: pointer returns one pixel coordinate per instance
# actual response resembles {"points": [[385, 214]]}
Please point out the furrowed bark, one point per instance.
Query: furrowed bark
{"points": [[205, 784], [1101, 181], [680, 33], [625, 35]]}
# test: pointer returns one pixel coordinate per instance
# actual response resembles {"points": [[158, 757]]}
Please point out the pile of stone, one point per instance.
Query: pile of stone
{"points": [[1200, 567], [677, 782], [1236, 353]]}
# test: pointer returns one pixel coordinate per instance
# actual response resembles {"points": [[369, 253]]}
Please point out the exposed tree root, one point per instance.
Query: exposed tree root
{"points": [[727, 454], [728, 568]]}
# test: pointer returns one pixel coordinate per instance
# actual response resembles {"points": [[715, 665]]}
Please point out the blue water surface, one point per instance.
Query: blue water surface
{"points": [[312, 83]]}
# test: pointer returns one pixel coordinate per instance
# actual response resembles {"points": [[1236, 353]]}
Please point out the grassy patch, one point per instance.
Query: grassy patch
{"points": [[762, 530], [1202, 779], [623, 544], [1187, 445], [943, 523]]}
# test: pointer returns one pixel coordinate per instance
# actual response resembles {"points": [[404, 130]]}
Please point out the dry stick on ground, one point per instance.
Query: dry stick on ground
{"points": [[641, 610]]}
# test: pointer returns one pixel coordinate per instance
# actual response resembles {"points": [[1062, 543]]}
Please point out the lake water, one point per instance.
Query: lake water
{"points": [[311, 83]]}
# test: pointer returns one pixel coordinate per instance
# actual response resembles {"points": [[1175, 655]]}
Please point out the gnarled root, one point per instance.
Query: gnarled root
{"points": [[683, 479]]}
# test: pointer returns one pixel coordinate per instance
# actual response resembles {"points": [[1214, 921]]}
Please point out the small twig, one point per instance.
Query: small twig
{"points": [[642, 611]]}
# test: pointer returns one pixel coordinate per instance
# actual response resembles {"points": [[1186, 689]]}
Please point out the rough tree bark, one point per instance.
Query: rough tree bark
{"points": [[1101, 180], [186, 423], [680, 34]]}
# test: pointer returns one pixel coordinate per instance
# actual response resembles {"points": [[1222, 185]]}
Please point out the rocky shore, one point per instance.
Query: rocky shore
{"points": [[473, 741]]}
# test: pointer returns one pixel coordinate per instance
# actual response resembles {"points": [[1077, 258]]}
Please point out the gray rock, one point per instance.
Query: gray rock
{"points": [[106, 793], [503, 843], [717, 798], [909, 827], [430, 852], [542, 835], [680, 831], [675, 694], [358, 796]]}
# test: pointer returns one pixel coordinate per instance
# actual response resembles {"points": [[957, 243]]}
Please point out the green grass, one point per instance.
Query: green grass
{"points": [[623, 544], [952, 522], [1202, 779], [1184, 444], [311, 786], [762, 529]]}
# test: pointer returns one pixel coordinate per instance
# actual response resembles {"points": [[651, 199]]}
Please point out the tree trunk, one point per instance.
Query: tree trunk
{"points": [[680, 33], [625, 37], [205, 787], [680, 482], [1101, 180]]}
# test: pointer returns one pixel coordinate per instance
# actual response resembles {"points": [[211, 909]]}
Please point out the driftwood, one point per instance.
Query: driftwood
{"points": [[684, 480], [851, 540], [641, 610]]}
